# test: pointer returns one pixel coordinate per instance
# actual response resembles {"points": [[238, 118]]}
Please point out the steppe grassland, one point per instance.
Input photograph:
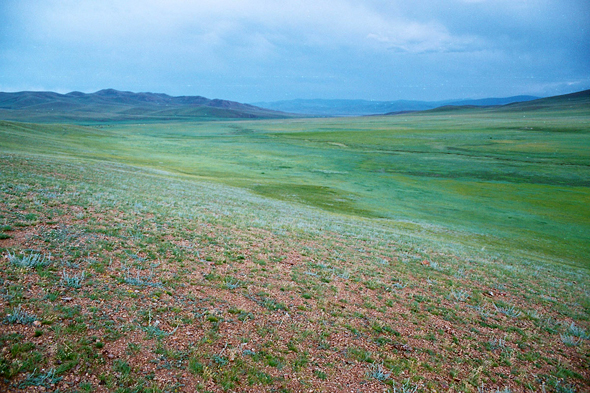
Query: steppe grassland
{"points": [[515, 182], [153, 276]]}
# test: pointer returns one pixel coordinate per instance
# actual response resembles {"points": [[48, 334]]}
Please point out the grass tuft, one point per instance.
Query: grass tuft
{"points": [[577, 331], [509, 311], [46, 379], [19, 316], [72, 281], [378, 372], [28, 261], [570, 340], [460, 295]]}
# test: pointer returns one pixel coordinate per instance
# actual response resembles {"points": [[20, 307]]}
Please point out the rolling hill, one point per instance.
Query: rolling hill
{"points": [[442, 250], [573, 101], [364, 107], [111, 105], [114, 105]]}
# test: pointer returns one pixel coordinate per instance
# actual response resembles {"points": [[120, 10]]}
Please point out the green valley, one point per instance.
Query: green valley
{"points": [[445, 250]]}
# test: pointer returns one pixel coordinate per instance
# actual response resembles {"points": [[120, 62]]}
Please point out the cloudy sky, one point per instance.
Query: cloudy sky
{"points": [[263, 50]]}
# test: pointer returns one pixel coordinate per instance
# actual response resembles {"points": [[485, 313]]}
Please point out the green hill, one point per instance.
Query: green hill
{"points": [[477, 171], [568, 102]]}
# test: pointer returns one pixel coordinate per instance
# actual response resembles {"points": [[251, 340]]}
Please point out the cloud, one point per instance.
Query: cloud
{"points": [[259, 25], [260, 48], [426, 38]]}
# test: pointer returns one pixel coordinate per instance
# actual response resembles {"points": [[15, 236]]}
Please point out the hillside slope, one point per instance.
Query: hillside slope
{"points": [[426, 252], [114, 105], [364, 107], [579, 101]]}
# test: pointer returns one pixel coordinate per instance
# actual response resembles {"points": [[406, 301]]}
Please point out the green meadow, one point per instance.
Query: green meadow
{"points": [[428, 252], [509, 182]]}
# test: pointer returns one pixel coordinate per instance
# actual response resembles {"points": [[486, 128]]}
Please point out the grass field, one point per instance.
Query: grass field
{"points": [[437, 251], [507, 181]]}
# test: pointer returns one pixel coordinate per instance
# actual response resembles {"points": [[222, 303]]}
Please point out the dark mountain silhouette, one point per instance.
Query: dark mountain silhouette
{"points": [[114, 105]]}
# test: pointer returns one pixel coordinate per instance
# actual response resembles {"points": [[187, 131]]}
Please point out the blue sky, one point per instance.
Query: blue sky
{"points": [[258, 50]]}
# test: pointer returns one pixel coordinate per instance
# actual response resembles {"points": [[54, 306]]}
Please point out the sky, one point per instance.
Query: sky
{"points": [[262, 50]]}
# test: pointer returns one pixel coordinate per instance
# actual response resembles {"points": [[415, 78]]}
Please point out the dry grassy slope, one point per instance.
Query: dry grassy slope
{"points": [[154, 283]]}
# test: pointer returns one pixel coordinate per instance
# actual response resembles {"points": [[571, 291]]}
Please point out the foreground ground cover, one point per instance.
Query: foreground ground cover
{"points": [[121, 278]]}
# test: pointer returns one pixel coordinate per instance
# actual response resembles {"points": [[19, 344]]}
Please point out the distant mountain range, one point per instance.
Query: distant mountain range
{"points": [[122, 106], [320, 107], [114, 105]]}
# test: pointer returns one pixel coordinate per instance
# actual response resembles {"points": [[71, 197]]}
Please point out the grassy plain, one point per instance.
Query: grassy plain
{"points": [[510, 182], [427, 252]]}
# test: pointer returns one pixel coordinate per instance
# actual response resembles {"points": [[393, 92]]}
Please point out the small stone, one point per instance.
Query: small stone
{"points": [[37, 324]]}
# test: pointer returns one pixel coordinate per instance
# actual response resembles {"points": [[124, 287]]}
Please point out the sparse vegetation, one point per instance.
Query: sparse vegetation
{"points": [[122, 274], [46, 379], [72, 280], [508, 310], [18, 315], [28, 261], [569, 340], [577, 331]]}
